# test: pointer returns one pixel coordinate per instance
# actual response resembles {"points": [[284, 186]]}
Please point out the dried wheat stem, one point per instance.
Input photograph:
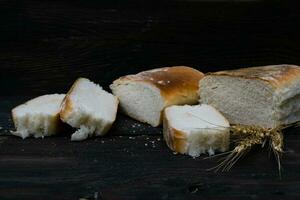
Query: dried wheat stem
{"points": [[249, 136]]}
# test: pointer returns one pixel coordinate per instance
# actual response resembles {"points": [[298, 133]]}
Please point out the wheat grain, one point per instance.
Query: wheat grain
{"points": [[248, 137]]}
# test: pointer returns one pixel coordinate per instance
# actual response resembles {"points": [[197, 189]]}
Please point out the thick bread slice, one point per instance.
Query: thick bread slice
{"points": [[143, 96], [38, 117], [88, 107], [194, 130], [267, 96]]}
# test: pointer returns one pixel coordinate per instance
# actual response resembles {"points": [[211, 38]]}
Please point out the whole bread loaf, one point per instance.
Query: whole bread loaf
{"points": [[267, 96], [144, 96]]}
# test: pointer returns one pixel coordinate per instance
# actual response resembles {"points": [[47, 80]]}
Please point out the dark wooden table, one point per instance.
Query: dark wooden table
{"points": [[46, 45]]}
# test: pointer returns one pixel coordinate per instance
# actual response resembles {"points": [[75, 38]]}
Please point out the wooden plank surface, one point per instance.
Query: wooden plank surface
{"points": [[46, 45], [135, 166]]}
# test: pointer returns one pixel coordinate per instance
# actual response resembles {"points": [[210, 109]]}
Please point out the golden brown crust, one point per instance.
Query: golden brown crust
{"points": [[117, 104], [178, 84], [175, 139], [67, 105], [14, 117], [66, 109], [276, 75]]}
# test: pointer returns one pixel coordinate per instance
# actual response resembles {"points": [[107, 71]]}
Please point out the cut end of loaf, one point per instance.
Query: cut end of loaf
{"points": [[263, 96], [242, 101], [88, 107], [143, 96], [195, 130], [38, 117], [140, 101]]}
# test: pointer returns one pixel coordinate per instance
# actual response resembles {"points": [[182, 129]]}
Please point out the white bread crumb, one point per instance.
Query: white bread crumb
{"points": [[195, 130], [38, 117], [88, 107]]}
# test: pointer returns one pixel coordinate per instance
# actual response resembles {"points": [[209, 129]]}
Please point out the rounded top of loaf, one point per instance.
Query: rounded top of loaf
{"points": [[276, 75], [172, 82]]}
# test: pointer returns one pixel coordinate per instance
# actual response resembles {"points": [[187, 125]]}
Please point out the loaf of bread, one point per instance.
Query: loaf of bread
{"points": [[266, 96], [89, 108], [144, 96], [38, 117], [194, 130]]}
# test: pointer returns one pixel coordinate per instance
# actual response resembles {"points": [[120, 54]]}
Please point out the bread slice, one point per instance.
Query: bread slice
{"points": [[88, 107], [267, 96], [38, 117], [143, 96], [194, 130]]}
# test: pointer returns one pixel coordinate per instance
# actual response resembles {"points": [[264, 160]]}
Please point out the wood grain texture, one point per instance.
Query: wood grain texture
{"points": [[142, 167], [46, 45]]}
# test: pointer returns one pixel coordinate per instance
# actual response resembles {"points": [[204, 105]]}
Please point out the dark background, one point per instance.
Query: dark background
{"points": [[46, 45]]}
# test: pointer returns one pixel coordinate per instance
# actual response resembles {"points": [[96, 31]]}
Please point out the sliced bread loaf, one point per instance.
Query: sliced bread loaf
{"points": [[38, 117], [88, 107], [143, 96], [266, 96], [194, 130]]}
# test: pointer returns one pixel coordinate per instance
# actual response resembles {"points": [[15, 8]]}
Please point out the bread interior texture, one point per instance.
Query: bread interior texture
{"points": [[242, 101], [141, 101], [89, 108], [38, 117], [204, 128]]}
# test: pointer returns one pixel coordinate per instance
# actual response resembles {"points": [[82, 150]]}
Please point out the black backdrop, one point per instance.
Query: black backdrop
{"points": [[46, 45]]}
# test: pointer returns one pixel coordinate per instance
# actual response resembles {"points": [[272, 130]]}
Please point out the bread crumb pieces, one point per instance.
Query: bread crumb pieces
{"points": [[81, 134]]}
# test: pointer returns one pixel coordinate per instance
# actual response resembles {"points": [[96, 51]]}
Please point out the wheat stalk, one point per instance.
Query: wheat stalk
{"points": [[249, 136]]}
